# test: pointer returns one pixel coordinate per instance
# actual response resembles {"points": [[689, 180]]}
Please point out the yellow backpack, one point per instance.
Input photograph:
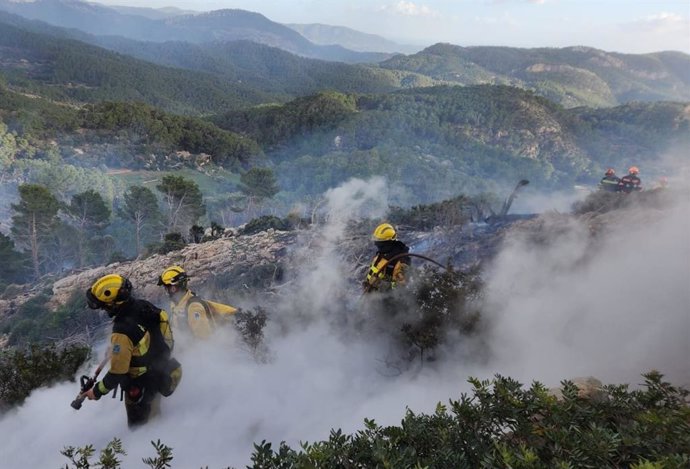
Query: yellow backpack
{"points": [[220, 310], [214, 310]]}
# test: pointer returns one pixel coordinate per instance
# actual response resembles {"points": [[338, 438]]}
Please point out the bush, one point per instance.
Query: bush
{"points": [[35, 324], [264, 223], [22, 371], [171, 242], [499, 425], [433, 304], [503, 425]]}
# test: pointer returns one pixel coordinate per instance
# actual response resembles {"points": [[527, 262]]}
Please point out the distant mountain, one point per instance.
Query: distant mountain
{"points": [[220, 25], [68, 70], [152, 13], [248, 69], [265, 68], [351, 39], [572, 76]]}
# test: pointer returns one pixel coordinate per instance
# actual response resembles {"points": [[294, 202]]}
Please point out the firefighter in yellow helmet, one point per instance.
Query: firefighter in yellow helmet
{"points": [[387, 269], [140, 348], [200, 316]]}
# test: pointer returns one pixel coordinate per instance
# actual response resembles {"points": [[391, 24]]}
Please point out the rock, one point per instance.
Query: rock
{"points": [[202, 261], [588, 388]]}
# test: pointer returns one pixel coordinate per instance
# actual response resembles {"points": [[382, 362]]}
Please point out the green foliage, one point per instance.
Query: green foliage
{"points": [[31, 116], [34, 221], [140, 208], [164, 132], [274, 125], [89, 215], [163, 456], [15, 265], [63, 179], [108, 458], [502, 424], [264, 223], [34, 323], [183, 202], [171, 242], [430, 142], [250, 324], [432, 305], [444, 303], [499, 424], [22, 371], [81, 458], [70, 70], [259, 183], [571, 76], [452, 212]]}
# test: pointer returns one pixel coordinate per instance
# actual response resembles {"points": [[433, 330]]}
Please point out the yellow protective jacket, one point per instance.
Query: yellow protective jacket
{"points": [[141, 339], [200, 316], [383, 273], [380, 276]]}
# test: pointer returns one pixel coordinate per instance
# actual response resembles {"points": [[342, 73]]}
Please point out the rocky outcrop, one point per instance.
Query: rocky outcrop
{"points": [[204, 260]]}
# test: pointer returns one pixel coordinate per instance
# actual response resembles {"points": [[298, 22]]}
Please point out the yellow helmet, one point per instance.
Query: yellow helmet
{"points": [[174, 275], [384, 232], [108, 291]]}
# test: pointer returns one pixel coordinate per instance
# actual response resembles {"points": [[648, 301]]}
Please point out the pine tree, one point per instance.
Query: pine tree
{"points": [[141, 209], [89, 215], [183, 203], [14, 264], [34, 221]]}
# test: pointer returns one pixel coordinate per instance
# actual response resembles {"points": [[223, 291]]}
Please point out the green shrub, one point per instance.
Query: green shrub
{"points": [[500, 424], [264, 223], [35, 324], [171, 242], [22, 371]]}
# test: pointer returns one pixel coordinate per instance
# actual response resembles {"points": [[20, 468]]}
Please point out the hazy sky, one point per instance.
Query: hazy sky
{"points": [[615, 25]]}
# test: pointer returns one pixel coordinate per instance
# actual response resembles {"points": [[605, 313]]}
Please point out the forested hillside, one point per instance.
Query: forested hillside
{"points": [[69, 70], [434, 140], [266, 70], [223, 25], [572, 76]]}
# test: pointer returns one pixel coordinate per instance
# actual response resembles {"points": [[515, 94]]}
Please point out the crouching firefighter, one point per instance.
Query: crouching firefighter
{"points": [[388, 268], [199, 316], [141, 344]]}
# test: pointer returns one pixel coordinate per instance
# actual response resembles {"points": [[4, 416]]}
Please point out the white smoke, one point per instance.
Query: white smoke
{"points": [[568, 307], [612, 307]]}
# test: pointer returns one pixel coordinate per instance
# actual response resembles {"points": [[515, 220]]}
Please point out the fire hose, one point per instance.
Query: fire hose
{"points": [[86, 382]]}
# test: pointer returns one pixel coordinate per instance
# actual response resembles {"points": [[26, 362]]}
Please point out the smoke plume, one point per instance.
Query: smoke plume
{"points": [[612, 306]]}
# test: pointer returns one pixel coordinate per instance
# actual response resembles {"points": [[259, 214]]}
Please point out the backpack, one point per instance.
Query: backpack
{"points": [[214, 311], [165, 370]]}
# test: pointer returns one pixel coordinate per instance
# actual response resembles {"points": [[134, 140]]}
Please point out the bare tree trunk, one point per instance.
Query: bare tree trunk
{"points": [[137, 231], [33, 234]]}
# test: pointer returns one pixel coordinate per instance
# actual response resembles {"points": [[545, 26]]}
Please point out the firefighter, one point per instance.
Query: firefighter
{"points": [[201, 317], [610, 181], [140, 348], [631, 182], [387, 269]]}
